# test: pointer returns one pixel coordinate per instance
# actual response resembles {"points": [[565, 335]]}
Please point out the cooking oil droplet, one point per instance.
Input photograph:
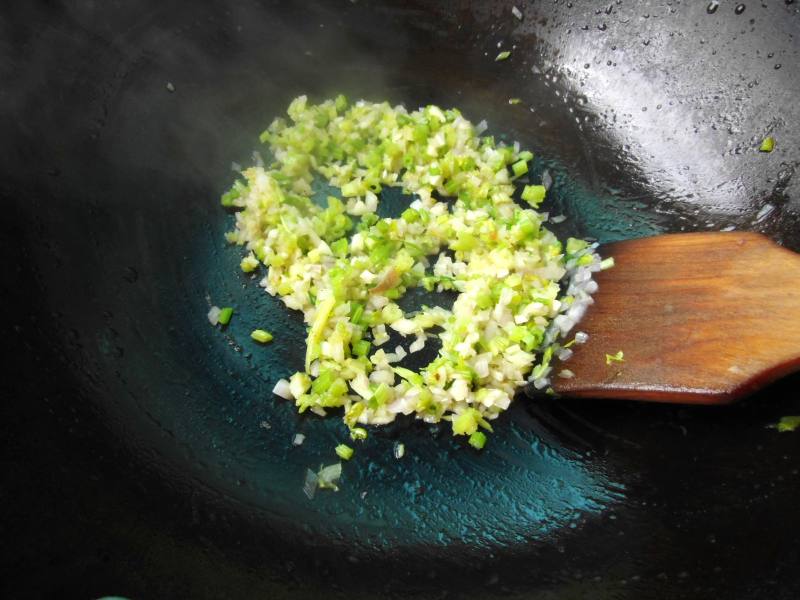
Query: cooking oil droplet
{"points": [[777, 66], [602, 27], [770, 55], [712, 7], [739, 9]]}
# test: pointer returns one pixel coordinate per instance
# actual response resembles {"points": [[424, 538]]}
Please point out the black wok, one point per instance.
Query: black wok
{"points": [[144, 453]]}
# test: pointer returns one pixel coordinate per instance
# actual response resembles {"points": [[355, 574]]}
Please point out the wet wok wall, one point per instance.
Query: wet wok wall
{"points": [[135, 461]]}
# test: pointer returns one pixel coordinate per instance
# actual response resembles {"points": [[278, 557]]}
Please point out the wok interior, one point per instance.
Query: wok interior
{"points": [[174, 460]]}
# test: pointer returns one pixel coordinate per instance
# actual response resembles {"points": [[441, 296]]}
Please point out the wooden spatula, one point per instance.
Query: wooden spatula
{"points": [[702, 318]]}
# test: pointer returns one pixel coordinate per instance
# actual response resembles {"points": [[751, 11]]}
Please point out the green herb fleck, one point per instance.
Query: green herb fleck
{"points": [[606, 263], [534, 194], [358, 433], [344, 451], [261, 336], [225, 315], [477, 440], [618, 357], [788, 423]]}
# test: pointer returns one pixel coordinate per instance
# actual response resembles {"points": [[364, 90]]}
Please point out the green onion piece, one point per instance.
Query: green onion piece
{"points": [[525, 155], [503, 55], [249, 263], [361, 348], [466, 423], [788, 423], [338, 388], [344, 451], [391, 313], [261, 336], [315, 334], [351, 417], [606, 263], [477, 440], [768, 145], [575, 245], [618, 357], [410, 376], [534, 194], [228, 197], [358, 433], [356, 312], [380, 396], [225, 315], [519, 168], [514, 101], [339, 247], [353, 188], [410, 215], [321, 384], [381, 252]]}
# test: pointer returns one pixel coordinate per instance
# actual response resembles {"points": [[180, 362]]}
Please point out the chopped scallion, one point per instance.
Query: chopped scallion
{"points": [[519, 168], [789, 423], [477, 440], [261, 336], [534, 194], [225, 315], [358, 433], [344, 451], [361, 348]]}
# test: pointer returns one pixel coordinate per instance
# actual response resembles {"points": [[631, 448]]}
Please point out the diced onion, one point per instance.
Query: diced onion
{"points": [[399, 450], [283, 389]]}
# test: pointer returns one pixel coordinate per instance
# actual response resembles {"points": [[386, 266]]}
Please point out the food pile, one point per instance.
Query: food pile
{"points": [[519, 289]]}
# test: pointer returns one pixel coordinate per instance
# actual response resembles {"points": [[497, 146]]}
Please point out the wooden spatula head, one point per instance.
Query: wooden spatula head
{"points": [[702, 318]]}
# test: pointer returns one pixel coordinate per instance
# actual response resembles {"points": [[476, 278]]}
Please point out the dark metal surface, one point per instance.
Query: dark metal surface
{"points": [[144, 453]]}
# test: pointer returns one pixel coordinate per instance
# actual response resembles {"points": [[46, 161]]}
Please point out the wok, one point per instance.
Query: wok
{"points": [[145, 455]]}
